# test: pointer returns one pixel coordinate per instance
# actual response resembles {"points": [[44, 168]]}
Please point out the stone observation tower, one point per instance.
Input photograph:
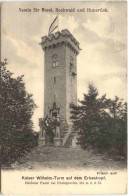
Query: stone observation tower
{"points": [[60, 86]]}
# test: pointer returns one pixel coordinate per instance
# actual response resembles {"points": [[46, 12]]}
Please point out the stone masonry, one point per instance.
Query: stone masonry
{"points": [[60, 72]]}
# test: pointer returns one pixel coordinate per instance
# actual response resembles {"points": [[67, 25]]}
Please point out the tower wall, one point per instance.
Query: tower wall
{"points": [[57, 89], [71, 83], [60, 82]]}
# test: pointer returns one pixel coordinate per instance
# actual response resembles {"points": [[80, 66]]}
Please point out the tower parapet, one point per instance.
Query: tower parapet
{"points": [[59, 38]]}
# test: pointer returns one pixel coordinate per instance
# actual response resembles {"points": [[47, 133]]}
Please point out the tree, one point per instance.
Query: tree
{"points": [[99, 122], [17, 107], [118, 121], [87, 117]]}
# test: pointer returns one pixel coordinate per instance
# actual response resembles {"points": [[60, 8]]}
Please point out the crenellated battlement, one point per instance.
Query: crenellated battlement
{"points": [[58, 39]]}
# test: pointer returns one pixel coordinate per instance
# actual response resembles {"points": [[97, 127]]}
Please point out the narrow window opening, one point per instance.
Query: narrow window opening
{"points": [[54, 80], [54, 97], [71, 67]]}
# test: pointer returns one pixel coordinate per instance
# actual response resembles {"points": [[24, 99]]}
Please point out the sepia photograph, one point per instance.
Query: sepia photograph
{"points": [[63, 97]]}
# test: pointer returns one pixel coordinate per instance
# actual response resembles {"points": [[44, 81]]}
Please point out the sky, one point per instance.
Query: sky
{"points": [[102, 37]]}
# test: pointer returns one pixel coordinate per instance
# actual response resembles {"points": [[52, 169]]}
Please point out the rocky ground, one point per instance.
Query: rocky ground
{"points": [[58, 157]]}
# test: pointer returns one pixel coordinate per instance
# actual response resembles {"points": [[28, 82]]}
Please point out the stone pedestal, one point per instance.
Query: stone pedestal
{"points": [[41, 142], [57, 141]]}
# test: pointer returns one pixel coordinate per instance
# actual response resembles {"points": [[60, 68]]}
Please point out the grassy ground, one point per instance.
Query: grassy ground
{"points": [[58, 157]]}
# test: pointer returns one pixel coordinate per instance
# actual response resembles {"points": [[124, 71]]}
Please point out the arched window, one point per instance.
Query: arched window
{"points": [[55, 60]]}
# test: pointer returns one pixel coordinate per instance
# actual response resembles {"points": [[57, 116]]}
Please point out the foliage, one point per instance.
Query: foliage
{"points": [[17, 107], [100, 122]]}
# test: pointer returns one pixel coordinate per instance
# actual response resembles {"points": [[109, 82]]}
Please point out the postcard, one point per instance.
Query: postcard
{"points": [[64, 111]]}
